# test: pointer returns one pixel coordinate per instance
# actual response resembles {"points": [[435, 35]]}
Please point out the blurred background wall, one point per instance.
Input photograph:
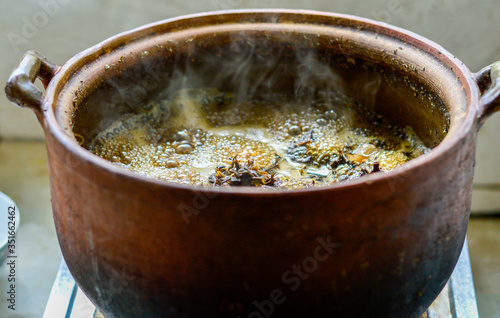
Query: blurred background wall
{"points": [[61, 28]]}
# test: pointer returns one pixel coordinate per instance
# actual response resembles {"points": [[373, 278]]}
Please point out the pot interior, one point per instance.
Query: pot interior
{"points": [[290, 55]]}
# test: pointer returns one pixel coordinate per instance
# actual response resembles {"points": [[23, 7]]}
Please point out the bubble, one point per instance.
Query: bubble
{"points": [[331, 114], [294, 130], [182, 136], [321, 122], [172, 164], [184, 149]]}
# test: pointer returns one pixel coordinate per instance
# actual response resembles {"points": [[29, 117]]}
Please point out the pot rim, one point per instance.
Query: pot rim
{"points": [[452, 138]]}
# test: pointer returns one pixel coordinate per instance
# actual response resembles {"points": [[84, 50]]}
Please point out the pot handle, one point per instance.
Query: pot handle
{"points": [[20, 89], [488, 80]]}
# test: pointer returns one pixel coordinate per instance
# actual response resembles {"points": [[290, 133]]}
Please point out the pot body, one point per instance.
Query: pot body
{"points": [[382, 245], [144, 251]]}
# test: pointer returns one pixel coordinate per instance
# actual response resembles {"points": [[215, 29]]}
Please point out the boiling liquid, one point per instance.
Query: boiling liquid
{"points": [[204, 137]]}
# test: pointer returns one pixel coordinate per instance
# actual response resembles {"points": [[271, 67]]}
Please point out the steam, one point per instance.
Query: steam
{"points": [[247, 64], [314, 75]]}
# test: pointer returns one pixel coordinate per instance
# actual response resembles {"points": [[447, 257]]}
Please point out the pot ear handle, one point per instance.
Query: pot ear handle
{"points": [[488, 80], [20, 88]]}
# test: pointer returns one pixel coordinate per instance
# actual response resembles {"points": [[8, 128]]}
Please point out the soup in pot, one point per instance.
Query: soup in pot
{"points": [[204, 137]]}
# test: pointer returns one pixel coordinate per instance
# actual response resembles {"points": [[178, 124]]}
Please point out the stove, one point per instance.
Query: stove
{"points": [[457, 299]]}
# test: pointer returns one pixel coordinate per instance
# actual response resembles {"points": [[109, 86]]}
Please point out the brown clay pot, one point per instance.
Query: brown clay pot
{"points": [[382, 245]]}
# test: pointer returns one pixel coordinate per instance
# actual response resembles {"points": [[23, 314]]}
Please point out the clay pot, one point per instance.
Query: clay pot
{"points": [[382, 245]]}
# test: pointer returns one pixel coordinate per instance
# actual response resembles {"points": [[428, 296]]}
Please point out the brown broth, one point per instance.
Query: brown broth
{"points": [[204, 137]]}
